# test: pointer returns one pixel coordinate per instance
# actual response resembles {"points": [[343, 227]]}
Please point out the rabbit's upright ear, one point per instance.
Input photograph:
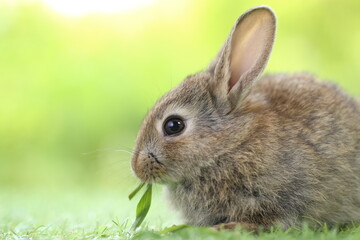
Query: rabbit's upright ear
{"points": [[243, 57]]}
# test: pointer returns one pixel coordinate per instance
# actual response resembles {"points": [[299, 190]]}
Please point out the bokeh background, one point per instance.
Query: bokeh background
{"points": [[77, 78]]}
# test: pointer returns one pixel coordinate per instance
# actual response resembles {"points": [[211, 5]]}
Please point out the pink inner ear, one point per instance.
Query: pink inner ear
{"points": [[249, 43]]}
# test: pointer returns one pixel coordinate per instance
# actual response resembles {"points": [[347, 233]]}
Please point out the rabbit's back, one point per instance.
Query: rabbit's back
{"points": [[319, 109], [316, 134]]}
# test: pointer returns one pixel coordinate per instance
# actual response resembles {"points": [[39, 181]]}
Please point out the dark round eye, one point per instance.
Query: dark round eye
{"points": [[173, 125]]}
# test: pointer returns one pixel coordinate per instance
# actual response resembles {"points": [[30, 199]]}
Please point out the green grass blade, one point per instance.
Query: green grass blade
{"points": [[133, 193], [143, 207]]}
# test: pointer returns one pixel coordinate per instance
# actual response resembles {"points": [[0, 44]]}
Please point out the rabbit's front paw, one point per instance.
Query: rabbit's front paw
{"points": [[232, 225]]}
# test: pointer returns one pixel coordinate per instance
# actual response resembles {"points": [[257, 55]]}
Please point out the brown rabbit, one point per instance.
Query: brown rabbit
{"points": [[235, 148]]}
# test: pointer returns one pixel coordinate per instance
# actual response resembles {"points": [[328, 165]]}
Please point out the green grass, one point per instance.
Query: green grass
{"points": [[104, 214], [116, 231]]}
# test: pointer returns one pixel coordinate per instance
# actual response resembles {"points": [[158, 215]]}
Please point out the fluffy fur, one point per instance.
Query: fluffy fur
{"points": [[263, 151]]}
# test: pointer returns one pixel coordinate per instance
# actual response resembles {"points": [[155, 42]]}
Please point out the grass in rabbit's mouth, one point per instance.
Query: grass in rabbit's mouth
{"points": [[144, 204], [143, 207]]}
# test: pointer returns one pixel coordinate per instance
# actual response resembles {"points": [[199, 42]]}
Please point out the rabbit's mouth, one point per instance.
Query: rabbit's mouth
{"points": [[148, 167]]}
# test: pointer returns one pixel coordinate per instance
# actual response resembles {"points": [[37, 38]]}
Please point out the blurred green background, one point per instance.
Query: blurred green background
{"points": [[74, 89]]}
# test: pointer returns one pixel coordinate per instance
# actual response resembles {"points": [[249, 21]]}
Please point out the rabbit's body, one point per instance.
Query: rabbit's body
{"points": [[232, 146], [310, 169]]}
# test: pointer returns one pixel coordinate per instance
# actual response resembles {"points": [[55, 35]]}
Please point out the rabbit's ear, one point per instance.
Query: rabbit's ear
{"points": [[243, 57]]}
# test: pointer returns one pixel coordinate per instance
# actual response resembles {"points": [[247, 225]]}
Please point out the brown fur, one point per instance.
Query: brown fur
{"points": [[288, 151]]}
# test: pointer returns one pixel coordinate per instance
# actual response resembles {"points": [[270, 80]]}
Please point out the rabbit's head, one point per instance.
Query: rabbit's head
{"points": [[199, 119]]}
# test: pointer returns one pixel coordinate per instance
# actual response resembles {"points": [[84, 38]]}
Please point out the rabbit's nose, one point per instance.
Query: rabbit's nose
{"points": [[147, 167], [151, 155]]}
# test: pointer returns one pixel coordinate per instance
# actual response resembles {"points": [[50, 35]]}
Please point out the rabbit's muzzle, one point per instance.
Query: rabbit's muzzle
{"points": [[147, 167]]}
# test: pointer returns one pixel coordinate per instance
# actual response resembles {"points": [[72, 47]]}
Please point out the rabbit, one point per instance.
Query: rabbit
{"points": [[235, 148]]}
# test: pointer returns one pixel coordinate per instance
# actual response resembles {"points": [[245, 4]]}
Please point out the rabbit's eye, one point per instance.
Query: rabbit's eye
{"points": [[173, 125]]}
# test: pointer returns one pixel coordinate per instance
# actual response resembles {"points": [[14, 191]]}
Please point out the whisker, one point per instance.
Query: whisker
{"points": [[100, 150], [126, 151], [132, 151], [119, 161]]}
